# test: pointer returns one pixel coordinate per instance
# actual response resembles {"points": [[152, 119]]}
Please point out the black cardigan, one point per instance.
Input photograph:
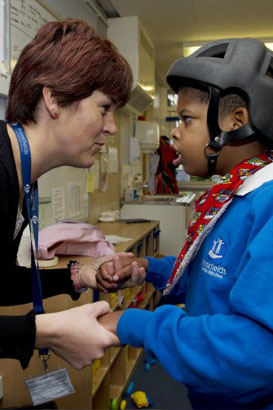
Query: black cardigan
{"points": [[17, 333]]}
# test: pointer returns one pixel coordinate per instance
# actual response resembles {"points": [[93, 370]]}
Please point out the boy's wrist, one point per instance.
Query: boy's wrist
{"points": [[110, 320], [144, 263]]}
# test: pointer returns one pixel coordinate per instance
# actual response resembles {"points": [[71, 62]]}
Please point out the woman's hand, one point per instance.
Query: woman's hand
{"points": [[87, 274], [121, 273], [75, 334]]}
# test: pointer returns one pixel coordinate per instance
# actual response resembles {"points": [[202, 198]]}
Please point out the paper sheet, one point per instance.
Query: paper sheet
{"points": [[45, 212], [114, 239], [90, 183], [96, 171], [75, 206], [112, 160], [58, 204], [134, 151]]}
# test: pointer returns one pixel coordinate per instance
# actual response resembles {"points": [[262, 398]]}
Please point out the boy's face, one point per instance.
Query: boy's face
{"points": [[192, 135]]}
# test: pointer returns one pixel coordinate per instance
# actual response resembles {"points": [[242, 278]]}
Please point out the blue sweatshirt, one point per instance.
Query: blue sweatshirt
{"points": [[221, 345]]}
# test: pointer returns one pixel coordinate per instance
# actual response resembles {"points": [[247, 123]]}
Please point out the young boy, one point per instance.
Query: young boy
{"points": [[220, 345]]}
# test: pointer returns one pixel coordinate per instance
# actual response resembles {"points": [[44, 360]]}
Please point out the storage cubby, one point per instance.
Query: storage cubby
{"points": [[101, 397], [149, 244], [156, 233], [122, 361]]}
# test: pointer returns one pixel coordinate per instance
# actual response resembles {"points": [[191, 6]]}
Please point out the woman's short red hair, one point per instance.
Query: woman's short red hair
{"points": [[73, 61]]}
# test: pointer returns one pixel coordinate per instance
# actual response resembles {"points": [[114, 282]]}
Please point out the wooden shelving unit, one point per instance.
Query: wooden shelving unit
{"points": [[107, 378]]}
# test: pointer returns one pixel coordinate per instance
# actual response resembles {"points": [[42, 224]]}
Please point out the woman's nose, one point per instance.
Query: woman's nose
{"points": [[110, 127]]}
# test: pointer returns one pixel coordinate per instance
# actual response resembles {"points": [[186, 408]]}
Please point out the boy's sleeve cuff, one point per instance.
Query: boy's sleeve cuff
{"points": [[155, 275], [132, 325]]}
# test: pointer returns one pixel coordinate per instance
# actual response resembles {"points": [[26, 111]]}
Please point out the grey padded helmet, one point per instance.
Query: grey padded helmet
{"points": [[243, 66]]}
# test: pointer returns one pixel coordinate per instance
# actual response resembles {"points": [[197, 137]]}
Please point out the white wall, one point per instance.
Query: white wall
{"points": [[74, 8]]}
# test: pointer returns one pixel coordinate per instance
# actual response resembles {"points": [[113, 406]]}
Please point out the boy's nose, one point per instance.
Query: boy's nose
{"points": [[175, 134]]}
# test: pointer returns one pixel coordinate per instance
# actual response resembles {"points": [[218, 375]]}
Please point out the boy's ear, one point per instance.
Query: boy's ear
{"points": [[50, 102], [234, 120], [240, 117]]}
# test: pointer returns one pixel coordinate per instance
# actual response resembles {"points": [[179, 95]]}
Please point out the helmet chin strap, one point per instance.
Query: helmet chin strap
{"points": [[219, 138]]}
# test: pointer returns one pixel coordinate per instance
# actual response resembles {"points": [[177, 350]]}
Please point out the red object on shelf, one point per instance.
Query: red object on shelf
{"points": [[139, 298]]}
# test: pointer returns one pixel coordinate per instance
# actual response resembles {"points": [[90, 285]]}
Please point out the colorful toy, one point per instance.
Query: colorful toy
{"points": [[147, 367], [129, 389], [123, 404], [149, 361], [114, 404], [140, 399], [150, 401]]}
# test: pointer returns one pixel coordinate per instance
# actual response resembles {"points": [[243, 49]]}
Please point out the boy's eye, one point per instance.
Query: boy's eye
{"points": [[185, 119]]}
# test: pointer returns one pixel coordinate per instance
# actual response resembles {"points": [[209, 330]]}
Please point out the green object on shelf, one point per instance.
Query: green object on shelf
{"points": [[114, 404]]}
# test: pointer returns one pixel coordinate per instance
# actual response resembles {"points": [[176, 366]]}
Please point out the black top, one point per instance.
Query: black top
{"points": [[17, 333]]}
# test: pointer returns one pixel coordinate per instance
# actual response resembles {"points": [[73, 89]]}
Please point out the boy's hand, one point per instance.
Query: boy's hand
{"points": [[121, 273], [87, 275]]}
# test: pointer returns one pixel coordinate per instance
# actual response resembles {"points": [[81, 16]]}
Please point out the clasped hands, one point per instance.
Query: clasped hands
{"points": [[119, 273], [82, 334], [114, 272]]}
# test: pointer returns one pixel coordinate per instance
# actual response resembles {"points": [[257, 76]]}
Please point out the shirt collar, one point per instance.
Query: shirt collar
{"points": [[254, 181]]}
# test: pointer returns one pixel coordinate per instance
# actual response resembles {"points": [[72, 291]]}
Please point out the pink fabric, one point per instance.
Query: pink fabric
{"points": [[72, 238]]}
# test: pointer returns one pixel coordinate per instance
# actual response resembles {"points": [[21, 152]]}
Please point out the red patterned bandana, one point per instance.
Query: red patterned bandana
{"points": [[209, 208]]}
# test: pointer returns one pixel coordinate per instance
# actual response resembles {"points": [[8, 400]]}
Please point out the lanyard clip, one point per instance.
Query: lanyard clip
{"points": [[45, 358]]}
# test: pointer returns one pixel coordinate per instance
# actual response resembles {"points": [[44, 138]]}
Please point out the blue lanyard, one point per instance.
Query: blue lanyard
{"points": [[31, 198]]}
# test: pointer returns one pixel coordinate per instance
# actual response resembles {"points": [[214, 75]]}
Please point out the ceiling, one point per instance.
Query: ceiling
{"points": [[172, 22]]}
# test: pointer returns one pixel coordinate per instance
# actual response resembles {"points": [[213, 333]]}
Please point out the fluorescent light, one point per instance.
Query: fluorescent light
{"points": [[269, 45], [187, 51], [189, 48]]}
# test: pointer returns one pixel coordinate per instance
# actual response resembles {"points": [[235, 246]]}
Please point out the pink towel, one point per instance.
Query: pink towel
{"points": [[72, 238]]}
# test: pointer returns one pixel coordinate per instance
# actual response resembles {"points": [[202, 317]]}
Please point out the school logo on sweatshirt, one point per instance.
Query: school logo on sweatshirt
{"points": [[218, 248], [216, 253]]}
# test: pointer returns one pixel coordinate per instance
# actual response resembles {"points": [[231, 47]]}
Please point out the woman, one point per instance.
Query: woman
{"points": [[63, 92]]}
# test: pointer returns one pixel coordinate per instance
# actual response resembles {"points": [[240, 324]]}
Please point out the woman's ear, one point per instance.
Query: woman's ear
{"points": [[51, 103]]}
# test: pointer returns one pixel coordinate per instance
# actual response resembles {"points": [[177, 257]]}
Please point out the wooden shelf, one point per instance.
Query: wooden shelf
{"points": [[115, 392], [98, 378], [122, 361], [148, 296], [114, 352], [131, 364]]}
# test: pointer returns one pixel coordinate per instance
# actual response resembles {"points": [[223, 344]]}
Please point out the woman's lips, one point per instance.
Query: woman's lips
{"points": [[99, 146]]}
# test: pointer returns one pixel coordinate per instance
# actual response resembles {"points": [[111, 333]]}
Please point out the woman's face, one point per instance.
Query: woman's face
{"points": [[85, 126]]}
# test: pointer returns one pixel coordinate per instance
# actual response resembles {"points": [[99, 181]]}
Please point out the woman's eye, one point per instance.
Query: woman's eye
{"points": [[105, 109]]}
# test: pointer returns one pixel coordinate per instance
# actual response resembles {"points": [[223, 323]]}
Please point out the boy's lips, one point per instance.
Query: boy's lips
{"points": [[178, 160]]}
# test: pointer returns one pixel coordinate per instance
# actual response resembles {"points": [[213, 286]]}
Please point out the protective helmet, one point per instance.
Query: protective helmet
{"points": [[243, 66]]}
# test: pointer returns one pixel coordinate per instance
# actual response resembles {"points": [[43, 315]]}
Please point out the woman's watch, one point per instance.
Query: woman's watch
{"points": [[75, 267]]}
